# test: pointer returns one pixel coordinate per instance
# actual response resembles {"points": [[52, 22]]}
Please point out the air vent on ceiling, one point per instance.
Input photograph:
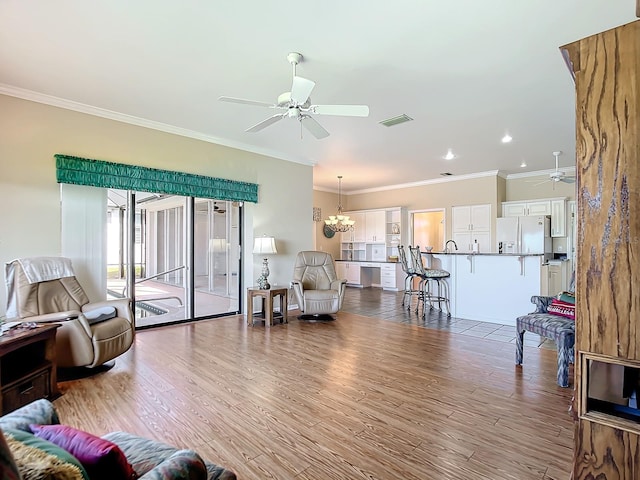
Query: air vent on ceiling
{"points": [[390, 122], [446, 174]]}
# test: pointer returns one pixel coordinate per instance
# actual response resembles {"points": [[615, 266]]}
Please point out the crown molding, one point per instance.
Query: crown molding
{"points": [[452, 178], [37, 97], [538, 173]]}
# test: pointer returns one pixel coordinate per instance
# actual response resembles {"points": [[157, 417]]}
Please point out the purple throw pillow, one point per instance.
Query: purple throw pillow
{"points": [[102, 459]]}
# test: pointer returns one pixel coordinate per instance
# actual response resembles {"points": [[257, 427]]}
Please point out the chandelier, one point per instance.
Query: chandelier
{"points": [[339, 222]]}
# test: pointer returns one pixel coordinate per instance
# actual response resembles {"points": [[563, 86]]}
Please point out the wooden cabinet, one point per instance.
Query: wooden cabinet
{"points": [[471, 223], [27, 366], [606, 70], [558, 218], [526, 209]]}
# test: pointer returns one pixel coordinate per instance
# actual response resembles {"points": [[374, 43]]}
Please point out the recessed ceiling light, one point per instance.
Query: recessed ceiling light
{"points": [[523, 164], [449, 155], [507, 138]]}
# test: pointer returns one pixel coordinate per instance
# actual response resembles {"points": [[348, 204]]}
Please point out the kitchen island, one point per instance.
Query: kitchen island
{"points": [[490, 287]]}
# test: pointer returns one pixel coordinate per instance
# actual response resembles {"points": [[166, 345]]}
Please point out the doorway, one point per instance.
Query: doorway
{"points": [[427, 228]]}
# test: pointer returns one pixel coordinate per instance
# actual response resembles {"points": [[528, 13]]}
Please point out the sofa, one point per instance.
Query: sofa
{"points": [[136, 457]]}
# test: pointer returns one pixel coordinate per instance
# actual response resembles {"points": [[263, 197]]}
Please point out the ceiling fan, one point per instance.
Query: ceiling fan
{"points": [[297, 104], [558, 175]]}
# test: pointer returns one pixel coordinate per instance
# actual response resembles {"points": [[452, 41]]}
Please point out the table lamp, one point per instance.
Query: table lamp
{"points": [[264, 245]]}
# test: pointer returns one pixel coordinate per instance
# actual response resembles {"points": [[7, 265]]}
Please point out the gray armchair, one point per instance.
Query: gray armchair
{"points": [[316, 286], [45, 290]]}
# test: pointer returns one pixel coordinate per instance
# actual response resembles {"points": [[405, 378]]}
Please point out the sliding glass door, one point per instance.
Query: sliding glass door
{"points": [[185, 254], [216, 256]]}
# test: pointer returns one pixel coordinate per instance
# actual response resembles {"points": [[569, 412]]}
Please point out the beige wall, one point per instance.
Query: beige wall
{"points": [[328, 203], [530, 188], [31, 133], [446, 194]]}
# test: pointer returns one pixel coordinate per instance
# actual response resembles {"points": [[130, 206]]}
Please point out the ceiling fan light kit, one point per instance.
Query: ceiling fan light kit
{"points": [[297, 104], [558, 175]]}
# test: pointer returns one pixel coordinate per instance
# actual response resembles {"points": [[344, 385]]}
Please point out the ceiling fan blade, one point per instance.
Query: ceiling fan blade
{"points": [[301, 89], [568, 179], [346, 110], [265, 123], [543, 182], [314, 127], [244, 101]]}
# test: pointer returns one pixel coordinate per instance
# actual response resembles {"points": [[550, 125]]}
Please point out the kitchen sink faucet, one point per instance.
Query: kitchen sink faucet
{"points": [[446, 246]]}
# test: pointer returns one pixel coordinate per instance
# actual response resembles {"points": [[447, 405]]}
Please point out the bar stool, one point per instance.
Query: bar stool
{"points": [[433, 284], [409, 291]]}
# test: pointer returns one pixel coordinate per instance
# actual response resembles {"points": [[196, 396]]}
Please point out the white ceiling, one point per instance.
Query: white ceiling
{"points": [[467, 71]]}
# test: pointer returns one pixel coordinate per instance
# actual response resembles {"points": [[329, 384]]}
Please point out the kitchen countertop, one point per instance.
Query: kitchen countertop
{"points": [[367, 261], [483, 253]]}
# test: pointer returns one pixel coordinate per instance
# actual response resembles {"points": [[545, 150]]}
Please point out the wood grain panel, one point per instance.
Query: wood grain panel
{"points": [[620, 460], [608, 193], [358, 398], [605, 68]]}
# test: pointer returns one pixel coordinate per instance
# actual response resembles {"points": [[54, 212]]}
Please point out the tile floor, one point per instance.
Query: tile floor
{"points": [[388, 305]]}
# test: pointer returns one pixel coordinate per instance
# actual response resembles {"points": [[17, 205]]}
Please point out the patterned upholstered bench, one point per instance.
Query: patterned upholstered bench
{"points": [[559, 329]]}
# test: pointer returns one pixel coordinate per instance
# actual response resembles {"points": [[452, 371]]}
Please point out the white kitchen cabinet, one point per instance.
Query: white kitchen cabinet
{"points": [[391, 276], [353, 251], [558, 218], [470, 223], [556, 207], [350, 271], [465, 241], [527, 209], [358, 232], [468, 218], [376, 234], [393, 231], [375, 226], [558, 277]]}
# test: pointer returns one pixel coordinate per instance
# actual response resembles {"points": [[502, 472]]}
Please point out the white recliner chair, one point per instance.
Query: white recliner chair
{"points": [[318, 290], [45, 290]]}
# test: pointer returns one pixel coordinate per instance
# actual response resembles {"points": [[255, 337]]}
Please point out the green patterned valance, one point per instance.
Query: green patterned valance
{"points": [[97, 173]]}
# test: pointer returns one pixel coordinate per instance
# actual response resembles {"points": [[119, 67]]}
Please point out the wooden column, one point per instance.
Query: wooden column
{"points": [[606, 69]]}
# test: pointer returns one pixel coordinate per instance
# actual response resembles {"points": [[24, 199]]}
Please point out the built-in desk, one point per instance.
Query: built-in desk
{"points": [[387, 275]]}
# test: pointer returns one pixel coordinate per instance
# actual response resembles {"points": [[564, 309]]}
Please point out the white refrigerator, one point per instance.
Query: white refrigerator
{"points": [[524, 235]]}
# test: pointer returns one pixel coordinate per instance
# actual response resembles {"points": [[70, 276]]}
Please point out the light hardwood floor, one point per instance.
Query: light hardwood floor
{"points": [[357, 398]]}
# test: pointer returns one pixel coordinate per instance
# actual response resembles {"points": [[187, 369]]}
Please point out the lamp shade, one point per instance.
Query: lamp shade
{"points": [[217, 245], [264, 245]]}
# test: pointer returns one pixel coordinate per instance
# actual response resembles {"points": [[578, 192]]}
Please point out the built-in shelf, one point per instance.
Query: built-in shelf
{"points": [[611, 387]]}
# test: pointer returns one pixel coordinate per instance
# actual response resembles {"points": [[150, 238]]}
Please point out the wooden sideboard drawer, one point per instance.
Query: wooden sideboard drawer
{"points": [[27, 390]]}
